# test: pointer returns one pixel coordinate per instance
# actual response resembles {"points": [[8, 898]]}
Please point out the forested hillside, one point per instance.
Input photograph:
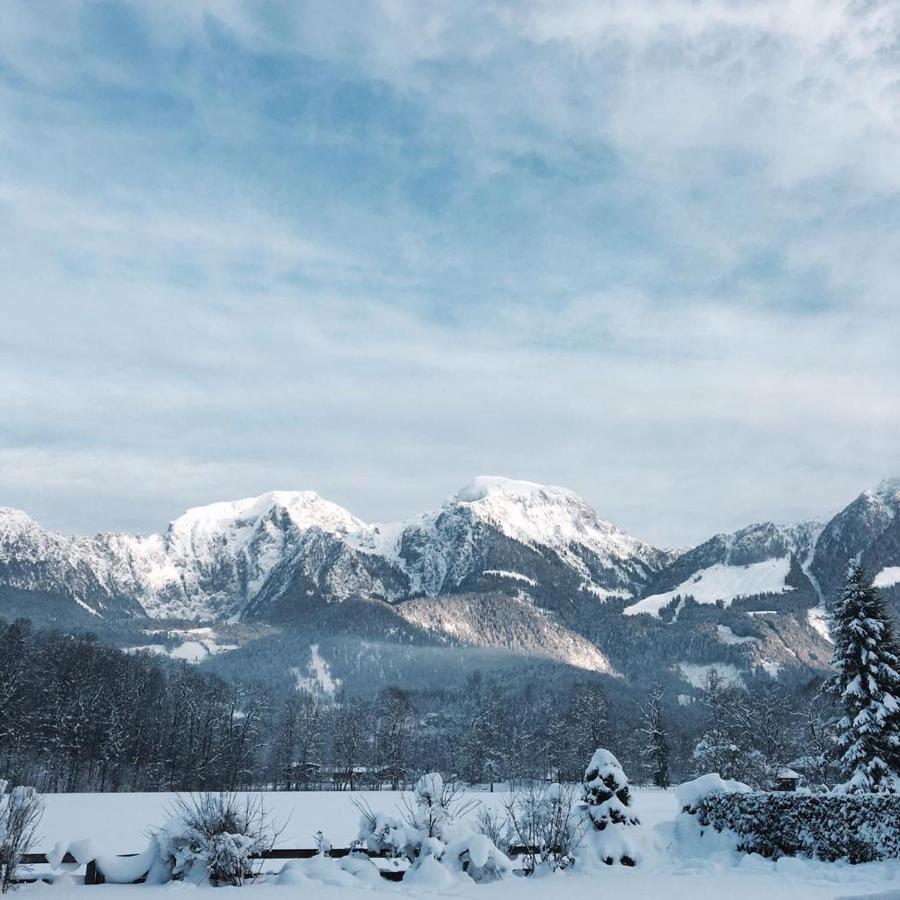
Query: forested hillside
{"points": [[78, 715]]}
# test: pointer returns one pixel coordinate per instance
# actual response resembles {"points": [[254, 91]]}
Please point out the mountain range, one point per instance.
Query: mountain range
{"points": [[509, 565]]}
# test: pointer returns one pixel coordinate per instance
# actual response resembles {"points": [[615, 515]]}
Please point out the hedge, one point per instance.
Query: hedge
{"points": [[856, 827]]}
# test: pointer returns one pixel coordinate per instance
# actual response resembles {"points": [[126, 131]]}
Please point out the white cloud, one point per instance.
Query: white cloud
{"points": [[661, 270]]}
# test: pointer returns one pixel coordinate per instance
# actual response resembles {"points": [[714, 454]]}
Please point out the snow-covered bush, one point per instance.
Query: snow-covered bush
{"points": [[349, 872], [148, 865], [381, 833], [21, 809], [691, 793], [323, 845], [422, 824], [477, 856], [428, 831], [215, 837], [495, 824], [856, 828], [435, 806], [606, 802], [543, 819]]}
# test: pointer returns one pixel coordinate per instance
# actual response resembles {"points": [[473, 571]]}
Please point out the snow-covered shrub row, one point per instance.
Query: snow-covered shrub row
{"points": [[429, 833], [857, 828], [209, 839]]}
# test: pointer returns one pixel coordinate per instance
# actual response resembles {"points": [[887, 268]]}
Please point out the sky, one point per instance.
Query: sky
{"points": [[648, 250]]}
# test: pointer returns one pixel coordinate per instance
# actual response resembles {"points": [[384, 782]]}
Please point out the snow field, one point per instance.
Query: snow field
{"points": [[676, 864], [722, 582]]}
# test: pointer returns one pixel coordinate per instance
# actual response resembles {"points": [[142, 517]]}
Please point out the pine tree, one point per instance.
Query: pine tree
{"points": [[867, 684]]}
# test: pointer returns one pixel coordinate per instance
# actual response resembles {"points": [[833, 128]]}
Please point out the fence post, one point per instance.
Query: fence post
{"points": [[92, 874]]}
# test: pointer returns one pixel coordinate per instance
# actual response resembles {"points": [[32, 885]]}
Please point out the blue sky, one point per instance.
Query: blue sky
{"points": [[646, 250]]}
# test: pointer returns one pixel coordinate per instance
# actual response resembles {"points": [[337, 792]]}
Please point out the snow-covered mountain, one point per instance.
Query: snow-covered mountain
{"points": [[868, 528], [503, 565], [511, 622], [207, 564], [758, 560], [804, 562], [278, 554]]}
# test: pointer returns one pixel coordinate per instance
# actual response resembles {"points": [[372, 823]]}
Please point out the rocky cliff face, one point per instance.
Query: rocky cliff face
{"points": [[511, 565], [283, 551], [868, 528]]}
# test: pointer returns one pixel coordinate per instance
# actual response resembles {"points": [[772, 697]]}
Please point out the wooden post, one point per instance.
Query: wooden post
{"points": [[92, 874]]}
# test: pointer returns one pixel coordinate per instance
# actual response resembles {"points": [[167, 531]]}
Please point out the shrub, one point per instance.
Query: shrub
{"points": [[543, 820], [20, 814], [429, 834], [855, 828], [495, 825], [215, 837]]}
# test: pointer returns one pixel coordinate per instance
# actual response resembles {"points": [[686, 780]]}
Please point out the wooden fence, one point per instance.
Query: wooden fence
{"points": [[94, 875]]}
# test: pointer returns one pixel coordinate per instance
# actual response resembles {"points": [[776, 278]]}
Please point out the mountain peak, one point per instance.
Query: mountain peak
{"points": [[15, 521], [11, 513], [306, 509], [543, 515], [887, 490], [483, 487]]}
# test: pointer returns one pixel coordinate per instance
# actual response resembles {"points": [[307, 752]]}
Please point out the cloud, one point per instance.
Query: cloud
{"points": [[373, 249]]}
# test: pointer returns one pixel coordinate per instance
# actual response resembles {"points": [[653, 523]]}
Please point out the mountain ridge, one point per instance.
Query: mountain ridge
{"points": [[274, 556], [216, 561]]}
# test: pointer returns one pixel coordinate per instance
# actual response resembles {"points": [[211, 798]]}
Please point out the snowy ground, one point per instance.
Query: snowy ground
{"points": [[673, 868]]}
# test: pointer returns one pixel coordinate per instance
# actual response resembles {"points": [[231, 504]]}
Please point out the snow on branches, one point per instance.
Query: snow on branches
{"points": [[866, 683], [431, 833], [216, 838], [20, 813], [606, 800]]}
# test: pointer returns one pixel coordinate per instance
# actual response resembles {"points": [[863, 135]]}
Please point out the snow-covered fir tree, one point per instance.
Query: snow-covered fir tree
{"points": [[607, 803], [867, 684]]}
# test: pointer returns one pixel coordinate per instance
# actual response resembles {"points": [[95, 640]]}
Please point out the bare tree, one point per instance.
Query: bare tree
{"points": [[296, 746], [349, 740], [656, 748], [392, 735], [20, 814], [543, 820], [818, 740]]}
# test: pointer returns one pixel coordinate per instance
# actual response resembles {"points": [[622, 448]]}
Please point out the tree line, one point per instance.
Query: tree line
{"points": [[78, 715]]}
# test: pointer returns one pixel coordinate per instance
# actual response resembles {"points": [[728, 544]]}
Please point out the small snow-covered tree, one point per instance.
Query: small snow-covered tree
{"points": [[607, 802], [866, 658], [20, 813], [216, 838], [656, 742]]}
